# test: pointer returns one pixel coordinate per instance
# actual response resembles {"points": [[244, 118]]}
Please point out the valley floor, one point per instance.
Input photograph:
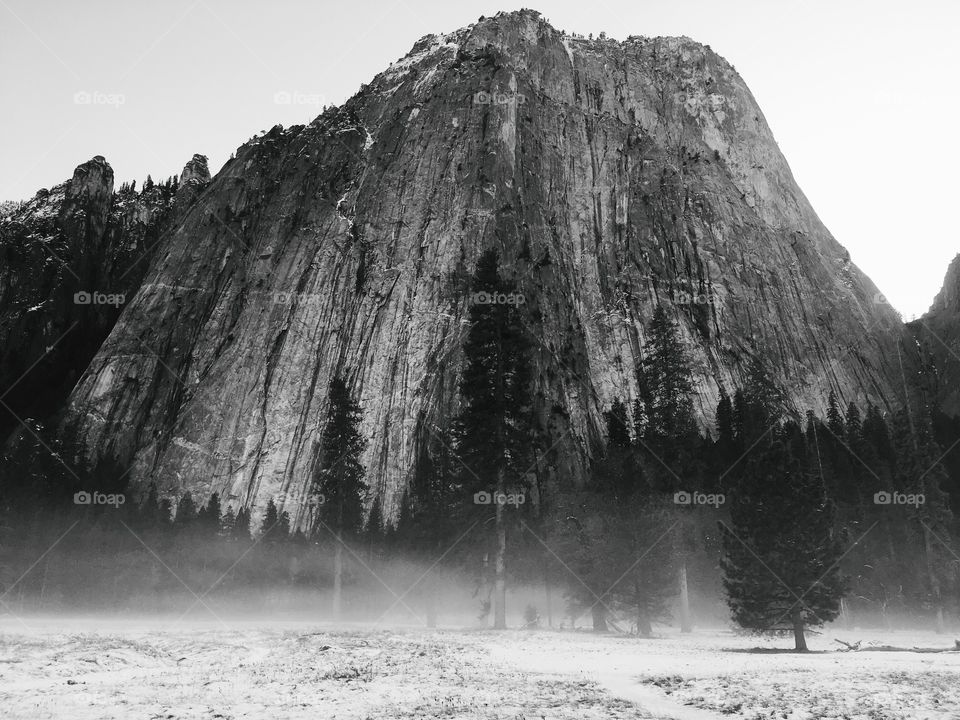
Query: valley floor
{"points": [[93, 668]]}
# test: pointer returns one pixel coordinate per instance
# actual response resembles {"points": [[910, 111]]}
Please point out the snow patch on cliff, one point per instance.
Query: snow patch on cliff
{"points": [[425, 80], [340, 210], [399, 69]]}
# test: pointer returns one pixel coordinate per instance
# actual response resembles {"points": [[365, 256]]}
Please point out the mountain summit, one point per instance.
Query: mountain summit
{"points": [[612, 177]]}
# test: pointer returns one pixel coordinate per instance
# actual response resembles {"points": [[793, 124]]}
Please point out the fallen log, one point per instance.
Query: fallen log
{"points": [[857, 647]]}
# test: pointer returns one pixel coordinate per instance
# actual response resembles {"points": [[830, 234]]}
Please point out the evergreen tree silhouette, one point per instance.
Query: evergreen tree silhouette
{"points": [[494, 430], [340, 478], [782, 548]]}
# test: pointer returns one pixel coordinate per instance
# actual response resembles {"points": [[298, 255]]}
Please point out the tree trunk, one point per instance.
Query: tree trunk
{"points": [[643, 620], [546, 586], [644, 627], [599, 613], [643, 624], [686, 625], [337, 578], [500, 566], [484, 590], [799, 639], [934, 580]]}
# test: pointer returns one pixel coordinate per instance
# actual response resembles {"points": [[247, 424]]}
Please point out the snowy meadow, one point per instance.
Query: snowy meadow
{"points": [[93, 668]]}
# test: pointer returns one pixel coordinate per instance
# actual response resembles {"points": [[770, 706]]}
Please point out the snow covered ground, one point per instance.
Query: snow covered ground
{"points": [[95, 668]]}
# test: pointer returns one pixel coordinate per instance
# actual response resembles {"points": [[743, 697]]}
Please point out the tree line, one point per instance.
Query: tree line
{"points": [[795, 521]]}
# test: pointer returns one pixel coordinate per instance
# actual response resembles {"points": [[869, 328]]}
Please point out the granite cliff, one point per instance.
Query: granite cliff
{"points": [[938, 336], [71, 256], [612, 176]]}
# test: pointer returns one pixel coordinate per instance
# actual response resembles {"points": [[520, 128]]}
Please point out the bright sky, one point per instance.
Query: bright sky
{"points": [[861, 94]]}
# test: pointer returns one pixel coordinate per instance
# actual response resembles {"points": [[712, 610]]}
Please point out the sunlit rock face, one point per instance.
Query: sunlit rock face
{"points": [[612, 176], [938, 336]]}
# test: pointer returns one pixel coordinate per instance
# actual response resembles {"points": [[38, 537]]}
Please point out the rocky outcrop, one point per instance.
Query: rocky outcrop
{"points": [[612, 176], [193, 181], [938, 336], [71, 257]]}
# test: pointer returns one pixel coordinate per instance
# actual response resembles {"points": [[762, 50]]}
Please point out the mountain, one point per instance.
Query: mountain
{"points": [[938, 335], [71, 256], [612, 177]]}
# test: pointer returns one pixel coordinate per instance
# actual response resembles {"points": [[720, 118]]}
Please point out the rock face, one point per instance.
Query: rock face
{"points": [[612, 177], [193, 180], [938, 335], [69, 259]]}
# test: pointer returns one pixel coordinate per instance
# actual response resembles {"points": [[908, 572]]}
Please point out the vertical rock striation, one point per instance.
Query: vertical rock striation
{"points": [[612, 176]]}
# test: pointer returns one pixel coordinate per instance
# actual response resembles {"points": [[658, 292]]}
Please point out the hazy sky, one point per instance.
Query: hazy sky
{"points": [[861, 96]]}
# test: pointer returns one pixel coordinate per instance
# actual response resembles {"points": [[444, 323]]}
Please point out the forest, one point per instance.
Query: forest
{"points": [[786, 521]]}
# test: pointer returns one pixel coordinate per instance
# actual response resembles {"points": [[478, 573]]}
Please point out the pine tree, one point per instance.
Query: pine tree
{"points": [[671, 441], [212, 516], [241, 526], [269, 524], [758, 406], [834, 416], [186, 511], [854, 425], [227, 523], [618, 434], [920, 472], [586, 535], [340, 478], [863, 482], [150, 508], [618, 472], [373, 531], [374, 526], [781, 550], [946, 431], [670, 431], [429, 524], [282, 530], [878, 451], [727, 447], [494, 433], [645, 584], [835, 454]]}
